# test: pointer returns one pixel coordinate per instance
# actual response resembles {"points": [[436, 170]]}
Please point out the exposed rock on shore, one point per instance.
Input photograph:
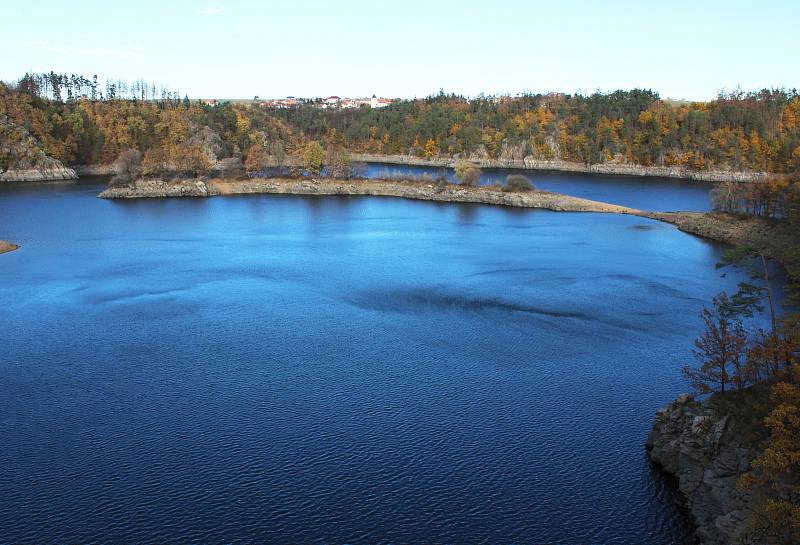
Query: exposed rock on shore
{"points": [[707, 447], [529, 163], [7, 247], [54, 173], [156, 188]]}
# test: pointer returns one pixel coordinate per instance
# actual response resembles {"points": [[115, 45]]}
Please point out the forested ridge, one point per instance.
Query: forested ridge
{"points": [[76, 121], [738, 131], [76, 128]]}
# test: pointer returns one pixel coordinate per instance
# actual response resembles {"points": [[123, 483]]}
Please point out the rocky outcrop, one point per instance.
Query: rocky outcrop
{"points": [[209, 142], [229, 166], [328, 186], [707, 448], [160, 188], [7, 247], [22, 157], [529, 163], [53, 173]]}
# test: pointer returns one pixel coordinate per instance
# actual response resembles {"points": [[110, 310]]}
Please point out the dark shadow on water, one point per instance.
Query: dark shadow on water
{"points": [[467, 213], [645, 227], [674, 513], [415, 300]]}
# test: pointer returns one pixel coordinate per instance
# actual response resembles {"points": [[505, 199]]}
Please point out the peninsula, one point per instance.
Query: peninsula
{"points": [[7, 247], [444, 192]]}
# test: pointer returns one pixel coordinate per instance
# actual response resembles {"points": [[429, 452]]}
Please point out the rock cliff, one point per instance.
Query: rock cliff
{"points": [[95, 170], [22, 158], [54, 173], [707, 447]]}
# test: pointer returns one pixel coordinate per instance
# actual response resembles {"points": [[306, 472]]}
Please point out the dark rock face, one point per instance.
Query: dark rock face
{"points": [[707, 450]]}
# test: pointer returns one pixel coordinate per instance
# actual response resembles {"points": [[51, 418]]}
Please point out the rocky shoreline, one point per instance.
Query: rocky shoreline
{"points": [[528, 163], [708, 446], [7, 247], [60, 173], [770, 236], [54, 174]]}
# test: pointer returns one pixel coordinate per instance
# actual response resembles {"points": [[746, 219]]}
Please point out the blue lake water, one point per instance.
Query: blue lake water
{"points": [[278, 369], [637, 192]]}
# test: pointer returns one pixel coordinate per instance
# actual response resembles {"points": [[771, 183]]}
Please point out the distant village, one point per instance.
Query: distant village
{"points": [[332, 102]]}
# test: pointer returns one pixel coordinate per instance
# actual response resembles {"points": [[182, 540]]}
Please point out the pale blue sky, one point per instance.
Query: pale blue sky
{"points": [[237, 49]]}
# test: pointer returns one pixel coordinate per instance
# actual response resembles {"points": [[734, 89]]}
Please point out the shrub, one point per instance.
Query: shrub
{"points": [[120, 180], [518, 182], [257, 158], [313, 158], [128, 167], [467, 173], [338, 163], [359, 170]]}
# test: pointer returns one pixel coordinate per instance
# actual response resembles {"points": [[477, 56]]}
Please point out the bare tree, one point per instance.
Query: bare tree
{"points": [[128, 167], [720, 350]]}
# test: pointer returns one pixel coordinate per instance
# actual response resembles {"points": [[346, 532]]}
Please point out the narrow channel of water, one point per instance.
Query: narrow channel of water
{"points": [[644, 193]]}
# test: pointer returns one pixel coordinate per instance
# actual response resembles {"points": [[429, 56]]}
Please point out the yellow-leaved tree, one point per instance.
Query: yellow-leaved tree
{"points": [[313, 158], [431, 149], [776, 470]]}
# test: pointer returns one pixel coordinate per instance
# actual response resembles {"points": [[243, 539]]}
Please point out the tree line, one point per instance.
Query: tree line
{"points": [[69, 87], [758, 131], [95, 128], [79, 121]]}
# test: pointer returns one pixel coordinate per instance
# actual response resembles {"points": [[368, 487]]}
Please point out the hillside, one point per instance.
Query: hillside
{"points": [[749, 133]]}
